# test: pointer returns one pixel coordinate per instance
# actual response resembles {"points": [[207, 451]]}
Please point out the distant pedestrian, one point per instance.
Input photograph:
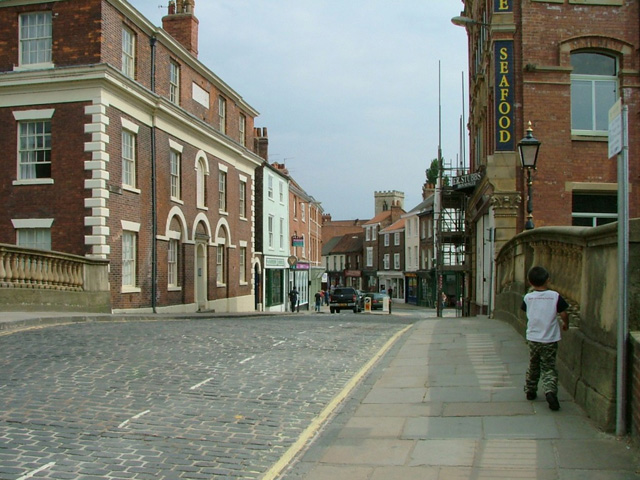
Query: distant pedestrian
{"points": [[542, 306], [318, 301], [293, 298], [445, 300]]}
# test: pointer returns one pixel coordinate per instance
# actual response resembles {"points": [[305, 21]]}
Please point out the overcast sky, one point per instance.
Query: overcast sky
{"points": [[348, 89]]}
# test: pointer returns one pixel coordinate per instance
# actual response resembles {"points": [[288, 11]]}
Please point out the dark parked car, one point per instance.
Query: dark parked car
{"points": [[344, 297], [377, 300]]}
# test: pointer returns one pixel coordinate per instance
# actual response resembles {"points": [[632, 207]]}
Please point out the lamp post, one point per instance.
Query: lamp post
{"points": [[528, 148], [462, 21]]}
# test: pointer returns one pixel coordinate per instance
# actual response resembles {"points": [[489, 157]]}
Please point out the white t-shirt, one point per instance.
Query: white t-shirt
{"points": [[542, 308]]}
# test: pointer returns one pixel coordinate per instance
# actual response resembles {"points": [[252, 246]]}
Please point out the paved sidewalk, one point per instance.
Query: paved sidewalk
{"points": [[447, 403]]}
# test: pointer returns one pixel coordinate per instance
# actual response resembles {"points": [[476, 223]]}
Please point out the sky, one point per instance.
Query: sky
{"points": [[349, 90]]}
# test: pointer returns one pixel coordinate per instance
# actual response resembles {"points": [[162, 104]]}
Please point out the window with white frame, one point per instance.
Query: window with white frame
{"points": [[174, 82], [242, 129], [385, 261], [593, 209], [367, 234], [386, 239], [242, 200], [175, 159], [128, 53], [303, 212], [396, 261], [594, 90], [128, 159], [33, 232], [243, 265], [369, 256], [270, 230], [270, 186], [201, 183], [281, 233], [281, 191], [36, 38], [220, 270], [129, 252], [222, 191], [222, 114], [39, 238], [34, 149], [374, 232], [173, 263], [396, 238]]}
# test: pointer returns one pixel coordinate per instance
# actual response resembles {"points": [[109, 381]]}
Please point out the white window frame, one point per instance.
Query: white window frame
{"points": [[174, 82], [220, 267], [369, 256], [128, 52], [128, 159], [39, 229], [202, 171], [242, 200], [175, 162], [173, 263], [281, 233], [270, 231], [396, 261], [270, 187], [396, 238], [36, 40], [595, 81], [242, 129], [386, 239], [222, 114], [222, 191], [386, 261], [34, 148], [367, 234], [242, 265], [130, 232]]}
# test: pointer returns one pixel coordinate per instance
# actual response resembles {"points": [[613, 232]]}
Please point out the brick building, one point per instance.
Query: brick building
{"points": [[561, 65], [305, 242], [119, 144], [388, 210]]}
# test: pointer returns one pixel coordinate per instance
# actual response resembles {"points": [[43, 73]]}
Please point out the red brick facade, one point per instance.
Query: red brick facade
{"points": [[89, 104], [520, 62]]}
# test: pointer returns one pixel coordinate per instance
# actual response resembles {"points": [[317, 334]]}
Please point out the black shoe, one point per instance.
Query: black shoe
{"points": [[532, 395], [552, 400]]}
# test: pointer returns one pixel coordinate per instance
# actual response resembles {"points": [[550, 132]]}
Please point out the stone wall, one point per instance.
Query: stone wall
{"points": [[583, 266]]}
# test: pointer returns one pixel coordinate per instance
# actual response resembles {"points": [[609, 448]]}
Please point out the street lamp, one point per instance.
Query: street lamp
{"points": [[528, 148], [462, 21]]}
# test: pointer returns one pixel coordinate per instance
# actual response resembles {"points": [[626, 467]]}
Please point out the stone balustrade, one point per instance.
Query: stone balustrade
{"points": [[55, 280], [583, 266]]}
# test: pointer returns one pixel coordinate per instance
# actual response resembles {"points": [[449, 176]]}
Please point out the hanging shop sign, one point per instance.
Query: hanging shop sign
{"points": [[466, 181], [297, 241], [504, 97]]}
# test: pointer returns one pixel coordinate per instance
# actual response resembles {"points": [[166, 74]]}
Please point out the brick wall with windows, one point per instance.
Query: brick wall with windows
{"points": [[90, 201]]}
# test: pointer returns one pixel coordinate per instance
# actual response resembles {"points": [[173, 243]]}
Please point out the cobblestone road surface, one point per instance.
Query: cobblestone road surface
{"points": [[196, 399]]}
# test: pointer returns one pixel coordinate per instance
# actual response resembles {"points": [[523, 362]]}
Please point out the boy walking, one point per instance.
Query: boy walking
{"points": [[543, 334]]}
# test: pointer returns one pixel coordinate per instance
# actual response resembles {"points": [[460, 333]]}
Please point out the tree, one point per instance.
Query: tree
{"points": [[432, 174]]}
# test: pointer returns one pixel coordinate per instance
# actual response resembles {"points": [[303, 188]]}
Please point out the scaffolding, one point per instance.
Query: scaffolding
{"points": [[452, 242]]}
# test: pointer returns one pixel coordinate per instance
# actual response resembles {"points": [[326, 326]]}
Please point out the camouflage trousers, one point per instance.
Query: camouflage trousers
{"points": [[542, 367]]}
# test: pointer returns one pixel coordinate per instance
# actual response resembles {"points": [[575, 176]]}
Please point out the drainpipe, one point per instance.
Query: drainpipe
{"points": [[154, 219]]}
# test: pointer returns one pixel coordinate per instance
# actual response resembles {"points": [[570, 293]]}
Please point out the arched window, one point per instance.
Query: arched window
{"points": [[201, 186], [594, 90]]}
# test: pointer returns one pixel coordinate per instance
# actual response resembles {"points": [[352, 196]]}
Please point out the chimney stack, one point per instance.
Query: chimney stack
{"points": [[182, 24], [261, 143]]}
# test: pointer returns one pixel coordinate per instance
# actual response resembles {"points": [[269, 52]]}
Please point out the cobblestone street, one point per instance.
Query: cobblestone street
{"points": [[191, 399]]}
